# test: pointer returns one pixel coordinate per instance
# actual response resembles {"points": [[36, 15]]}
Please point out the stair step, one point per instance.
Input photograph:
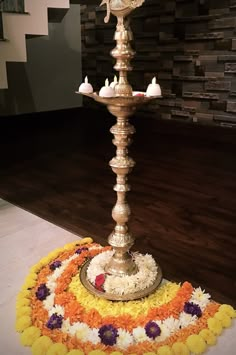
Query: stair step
{"points": [[56, 15]]}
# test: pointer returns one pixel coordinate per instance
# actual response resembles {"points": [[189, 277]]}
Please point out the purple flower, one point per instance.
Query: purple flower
{"points": [[53, 266], [42, 292], [193, 309], [152, 329], [108, 334], [80, 250], [54, 321]]}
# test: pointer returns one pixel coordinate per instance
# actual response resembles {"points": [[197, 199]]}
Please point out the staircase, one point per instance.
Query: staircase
{"points": [[31, 18]]}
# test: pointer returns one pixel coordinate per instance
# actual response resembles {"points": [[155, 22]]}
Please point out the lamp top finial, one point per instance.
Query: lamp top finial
{"points": [[120, 6]]}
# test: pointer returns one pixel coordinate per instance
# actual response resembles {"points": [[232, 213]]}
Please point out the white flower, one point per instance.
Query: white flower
{"points": [[186, 319], [140, 335], [124, 339], [97, 265], [165, 332], [172, 324], [51, 284], [48, 303], [200, 298], [145, 277], [56, 273], [65, 327], [93, 336], [82, 331], [56, 309]]}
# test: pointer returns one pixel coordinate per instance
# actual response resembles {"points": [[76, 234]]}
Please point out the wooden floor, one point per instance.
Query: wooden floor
{"points": [[183, 196]]}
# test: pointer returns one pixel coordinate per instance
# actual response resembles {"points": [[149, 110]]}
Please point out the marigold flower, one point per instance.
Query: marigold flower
{"points": [[196, 344], [165, 350], [97, 352], [224, 319], [180, 348], [214, 325], [22, 302], [23, 294], [75, 352], [41, 345], [29, 335], [22, 323], [23, 311], [86, 240], [57, 349], [208, 336], [228, 310]]}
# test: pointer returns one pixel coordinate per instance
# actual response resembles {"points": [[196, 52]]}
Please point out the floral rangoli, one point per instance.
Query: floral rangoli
{"points": [[55, 314]]}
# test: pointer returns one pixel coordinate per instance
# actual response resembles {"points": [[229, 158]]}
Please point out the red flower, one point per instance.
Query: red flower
{"points": [[99, 282], [139, 94]]}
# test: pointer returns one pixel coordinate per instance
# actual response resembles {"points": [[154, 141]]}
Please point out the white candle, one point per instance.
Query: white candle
{"points": [[107, 91], [114, 82], [85, 87], [153, 89]]}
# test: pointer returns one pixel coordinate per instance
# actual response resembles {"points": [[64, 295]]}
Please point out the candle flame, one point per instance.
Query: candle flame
{"points": [[106, 82], [86, 80], [115, 79], [154, 80]]}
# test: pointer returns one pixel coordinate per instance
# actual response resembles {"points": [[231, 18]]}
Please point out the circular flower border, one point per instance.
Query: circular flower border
{"points": [[104, 282], [176, 319]]}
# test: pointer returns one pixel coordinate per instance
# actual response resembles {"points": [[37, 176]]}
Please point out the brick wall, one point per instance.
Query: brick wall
{"points": [[190, 45]]}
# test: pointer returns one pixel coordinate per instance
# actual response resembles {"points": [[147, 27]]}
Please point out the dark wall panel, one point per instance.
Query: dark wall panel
{"points": [[190, 45], [12, 5]]}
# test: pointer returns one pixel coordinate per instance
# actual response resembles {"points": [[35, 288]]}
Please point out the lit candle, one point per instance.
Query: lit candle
{"points": [[153, 89], [107, 91], [85, 87], [114, 82]]}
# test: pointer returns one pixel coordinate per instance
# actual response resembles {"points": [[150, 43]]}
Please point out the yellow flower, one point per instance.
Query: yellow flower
{"points": [[208, 336], [224, 319], [96, 352], [22, 302], [196, 344], [35, 268], [23, 311], [86, 240], [41, 345], [165, 350], [31, 276], [29, 335], [214, 325], [29, 283], [149, 353], [162, 295], [57, 349], [180, 348], [45, 260], [117, 353], [23, 294], [22, 323], [228, 310], [75, 352]]}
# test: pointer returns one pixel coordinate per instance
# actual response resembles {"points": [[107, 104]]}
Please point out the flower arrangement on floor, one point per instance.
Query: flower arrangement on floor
{"points": [[104, 282], [57, 315]]}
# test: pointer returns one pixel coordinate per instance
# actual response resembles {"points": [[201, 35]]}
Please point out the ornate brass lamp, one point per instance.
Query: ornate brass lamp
{"points": [[122, 105]]}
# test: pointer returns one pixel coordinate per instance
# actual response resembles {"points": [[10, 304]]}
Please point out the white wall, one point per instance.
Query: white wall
{"points": [[52, 73]]}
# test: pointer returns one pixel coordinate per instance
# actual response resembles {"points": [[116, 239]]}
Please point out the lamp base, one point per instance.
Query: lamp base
{"points": [[117, 297]]}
